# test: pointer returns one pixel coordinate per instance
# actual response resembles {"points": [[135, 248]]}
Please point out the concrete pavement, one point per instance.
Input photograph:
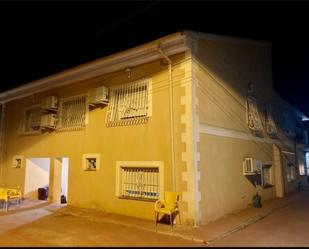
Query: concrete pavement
{"points": [[206, 235], [38, 223]]}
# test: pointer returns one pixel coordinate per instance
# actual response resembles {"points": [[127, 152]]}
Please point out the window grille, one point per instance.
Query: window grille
{"points": [[140, 183], [129, 104], [72, 113], [254, 121], [31, 120], [270, 125], [267, 176]]}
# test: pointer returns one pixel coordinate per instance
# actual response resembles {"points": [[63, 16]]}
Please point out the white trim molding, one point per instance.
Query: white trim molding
{"points": [[224, 132]]}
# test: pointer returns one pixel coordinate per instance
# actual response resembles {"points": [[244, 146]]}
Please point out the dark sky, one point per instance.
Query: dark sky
{"points": [[42, 38]]}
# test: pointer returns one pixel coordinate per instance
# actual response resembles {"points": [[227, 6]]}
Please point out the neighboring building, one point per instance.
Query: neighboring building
{"points": [[124, 135]]}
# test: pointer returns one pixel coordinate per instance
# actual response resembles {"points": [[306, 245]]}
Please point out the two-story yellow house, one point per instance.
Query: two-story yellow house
{"points": [[190, 112]]}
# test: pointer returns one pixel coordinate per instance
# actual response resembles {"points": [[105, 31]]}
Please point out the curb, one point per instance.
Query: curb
{"points": [[248, 223], [190, 237]]}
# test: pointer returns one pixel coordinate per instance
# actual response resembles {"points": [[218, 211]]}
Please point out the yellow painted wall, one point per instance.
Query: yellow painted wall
{"points": [[223, 70], [143, 142], [291, 186], [223, 186]]}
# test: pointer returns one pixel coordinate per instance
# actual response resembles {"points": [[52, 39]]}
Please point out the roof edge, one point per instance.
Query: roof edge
{"points": [[148, 52], [203, 35]]}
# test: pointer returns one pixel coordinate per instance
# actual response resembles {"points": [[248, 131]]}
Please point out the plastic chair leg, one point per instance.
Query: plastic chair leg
{"points": [[179, 217], [156, 217]]}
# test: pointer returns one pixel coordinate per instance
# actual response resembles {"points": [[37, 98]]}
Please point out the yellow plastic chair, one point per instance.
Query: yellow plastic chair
{"points": [[15, 194], [4, 197], [8, 194], [168, 206]]}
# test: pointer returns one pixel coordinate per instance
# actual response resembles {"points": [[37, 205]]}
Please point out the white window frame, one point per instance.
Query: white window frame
{"points": [[93, 156], [60, 110], [115, 114], [139, 164], [24, 121]]}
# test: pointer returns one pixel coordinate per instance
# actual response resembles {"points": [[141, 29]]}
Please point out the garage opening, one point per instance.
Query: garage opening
{"points": [[37, 174]]}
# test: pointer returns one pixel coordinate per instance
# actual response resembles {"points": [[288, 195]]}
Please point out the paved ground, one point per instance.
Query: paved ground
{"points": [[280, 222], [45, 226], [288, 226]]}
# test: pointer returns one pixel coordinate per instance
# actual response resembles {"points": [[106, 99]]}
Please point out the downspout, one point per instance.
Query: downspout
{"points": [[2, 140], [171, 109]]}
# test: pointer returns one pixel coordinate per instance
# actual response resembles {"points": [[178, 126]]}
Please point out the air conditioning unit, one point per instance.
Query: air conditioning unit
{"points": [[50, 103], [98, 95], [49, 121], [251, 166]]}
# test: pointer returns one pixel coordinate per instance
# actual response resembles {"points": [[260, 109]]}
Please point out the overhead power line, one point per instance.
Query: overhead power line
{"points": [[127, 17]]}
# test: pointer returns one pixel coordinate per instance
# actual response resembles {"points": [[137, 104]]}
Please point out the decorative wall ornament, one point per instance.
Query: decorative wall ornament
{"points": [[18, 162], [254, 121], [270, 126], [91, 162]]}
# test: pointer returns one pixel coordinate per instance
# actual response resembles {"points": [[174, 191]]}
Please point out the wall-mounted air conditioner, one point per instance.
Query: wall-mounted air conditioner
{"points": [[49, 121], [251, 166], [98, 95], [50, 103]]}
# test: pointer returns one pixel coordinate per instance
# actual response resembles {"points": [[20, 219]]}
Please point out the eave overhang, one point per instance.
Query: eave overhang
{"points": [[171, 45]]}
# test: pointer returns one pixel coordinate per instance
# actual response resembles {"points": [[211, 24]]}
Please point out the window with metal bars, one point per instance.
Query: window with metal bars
{"points": [[31, 120], [253, 117], [140, 183], [129, 103], [270, 125], [72, 113]]}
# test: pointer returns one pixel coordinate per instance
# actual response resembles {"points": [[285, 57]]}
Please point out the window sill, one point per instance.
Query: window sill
{"points": [[30, 133], [137, 198]]}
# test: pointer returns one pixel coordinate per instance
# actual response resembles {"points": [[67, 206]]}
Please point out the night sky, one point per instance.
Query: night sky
{"points": [[42, 38]]}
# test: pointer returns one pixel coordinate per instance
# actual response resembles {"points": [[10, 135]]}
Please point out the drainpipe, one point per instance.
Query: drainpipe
{"points": [[171, 109], [1, 140]]}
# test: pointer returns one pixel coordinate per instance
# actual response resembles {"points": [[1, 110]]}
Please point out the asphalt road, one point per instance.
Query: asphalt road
{"points": [[285, 227]]}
